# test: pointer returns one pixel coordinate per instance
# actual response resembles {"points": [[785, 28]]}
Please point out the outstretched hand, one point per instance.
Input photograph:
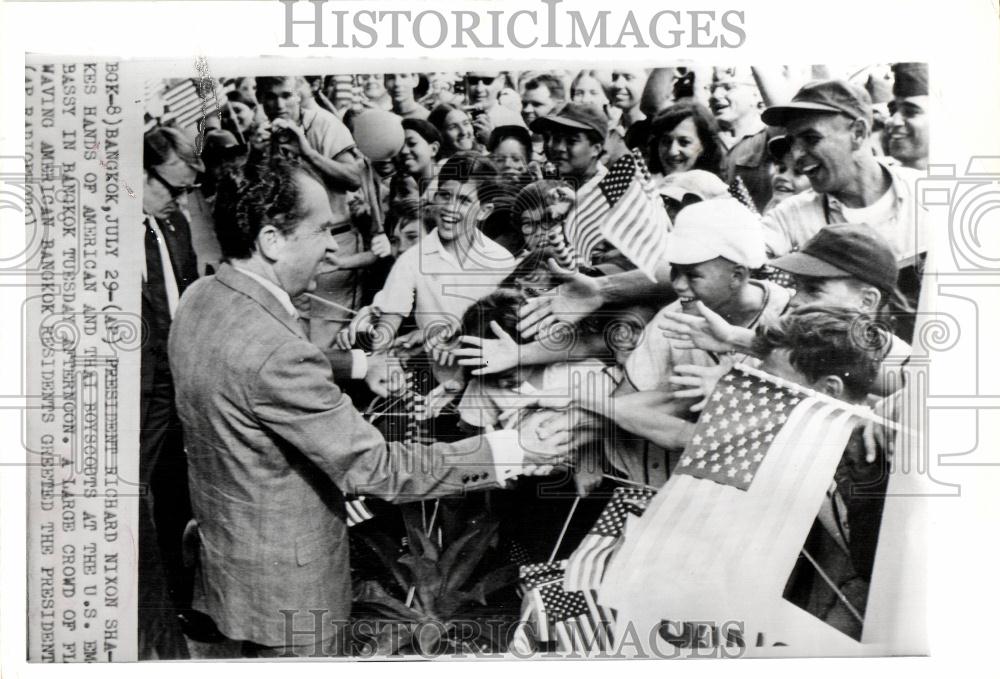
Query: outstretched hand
{"points": [[709, 331], [577, 296], [698, 381], [488, 356]]}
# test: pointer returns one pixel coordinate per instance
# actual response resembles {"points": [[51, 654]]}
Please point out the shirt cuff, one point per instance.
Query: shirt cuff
{"points": [[508, 455], [359, 364]]}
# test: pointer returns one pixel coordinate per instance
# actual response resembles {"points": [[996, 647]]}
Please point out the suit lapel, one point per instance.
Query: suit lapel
{"points": [[233, 278]]}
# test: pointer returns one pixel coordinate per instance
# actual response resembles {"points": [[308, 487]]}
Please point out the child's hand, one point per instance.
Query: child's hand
{"points": [[488, 356], [699, 381], [709, 332]]}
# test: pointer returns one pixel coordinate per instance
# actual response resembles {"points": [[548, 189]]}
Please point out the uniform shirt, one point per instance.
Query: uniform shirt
{"points": [[749, 160], [650, 366], [797, 219]]}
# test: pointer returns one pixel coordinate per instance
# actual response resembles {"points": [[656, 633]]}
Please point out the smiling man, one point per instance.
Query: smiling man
{"points": [[906, 130], [574, 141], [274, 445], [829, 126]]}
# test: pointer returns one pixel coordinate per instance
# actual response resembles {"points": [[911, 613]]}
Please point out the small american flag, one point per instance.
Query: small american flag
{"points": [[571, 620], [193, 99], [738, 190], [727, 527], [624, 209], [585, 567]]}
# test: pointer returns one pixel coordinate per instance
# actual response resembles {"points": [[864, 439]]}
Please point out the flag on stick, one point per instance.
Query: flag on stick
{"points": [[625, 209], [585, 567], [720, 539]]}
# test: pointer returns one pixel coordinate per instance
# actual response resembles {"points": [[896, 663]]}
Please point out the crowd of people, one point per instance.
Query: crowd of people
{"points": [[320, 239]]}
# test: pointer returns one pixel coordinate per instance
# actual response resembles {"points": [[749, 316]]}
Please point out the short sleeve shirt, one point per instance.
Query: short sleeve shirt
{"points": [[330, 137]]}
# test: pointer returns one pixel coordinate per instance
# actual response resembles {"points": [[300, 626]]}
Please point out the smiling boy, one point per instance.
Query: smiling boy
{"points": [[450, 268]]}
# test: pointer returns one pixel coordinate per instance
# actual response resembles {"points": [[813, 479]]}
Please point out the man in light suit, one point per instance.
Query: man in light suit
{"points": [[273, 445]]}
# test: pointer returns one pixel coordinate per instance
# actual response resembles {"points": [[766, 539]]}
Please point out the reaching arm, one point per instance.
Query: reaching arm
{"points": [[580, 295]]}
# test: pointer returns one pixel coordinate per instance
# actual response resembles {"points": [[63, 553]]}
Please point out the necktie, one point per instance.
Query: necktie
{"points": [[169, 278]]}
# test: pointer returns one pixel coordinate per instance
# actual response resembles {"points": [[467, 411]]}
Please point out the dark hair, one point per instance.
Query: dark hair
{"points": [[271, 194], [425, 130], [470, 166], [266, 82], [551, 82], [160, 142], [502, 306], [708, 133], [437, 118], [825, 340], [238, 97]]}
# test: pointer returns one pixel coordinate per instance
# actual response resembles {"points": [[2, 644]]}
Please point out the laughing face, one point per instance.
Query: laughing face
{"points": [[732, 97], [907, 130], [712, 283], [680, 148], [417, 155], [459, 209], [822, 148]]}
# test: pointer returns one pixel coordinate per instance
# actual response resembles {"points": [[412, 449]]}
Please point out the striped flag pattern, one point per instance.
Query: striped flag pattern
{"points": [[623, 208], [725, 531], [572, 621], [194, 98], [585, 567], [357, 511]]}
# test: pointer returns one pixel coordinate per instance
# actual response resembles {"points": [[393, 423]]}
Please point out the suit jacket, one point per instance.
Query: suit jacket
{"points": [[272, 446], [155, 313]]}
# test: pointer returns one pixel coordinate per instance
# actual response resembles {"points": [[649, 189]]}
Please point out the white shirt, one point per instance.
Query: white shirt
{"points": [[795, 220], [432, 283], [278, 293]]}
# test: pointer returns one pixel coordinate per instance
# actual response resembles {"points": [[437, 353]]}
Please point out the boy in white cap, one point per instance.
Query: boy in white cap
{"points": [[712, 249]]}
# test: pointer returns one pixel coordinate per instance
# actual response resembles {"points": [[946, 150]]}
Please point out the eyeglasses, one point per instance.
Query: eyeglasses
{"points": [[174, 191]]}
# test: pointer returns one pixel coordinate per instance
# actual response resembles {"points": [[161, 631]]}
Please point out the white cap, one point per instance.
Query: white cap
{"points": [[720, 227], [702, 184]]}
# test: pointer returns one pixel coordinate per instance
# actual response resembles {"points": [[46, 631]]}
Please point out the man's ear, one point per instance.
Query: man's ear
{"points": [[485, 210], [437, 149], [831, 385], [270, 242], [739, 274], [871, 298], [859, 133]]}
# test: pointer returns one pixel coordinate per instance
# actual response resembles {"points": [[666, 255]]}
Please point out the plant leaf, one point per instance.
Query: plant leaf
{"points": [[497, 579], [373, 594], [385, 549], [447, 561], [420, 544], [472, 556]]}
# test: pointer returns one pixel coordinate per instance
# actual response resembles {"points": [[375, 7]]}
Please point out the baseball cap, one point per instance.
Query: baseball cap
{"points": [[823, 96], [704, 185], [910, 79], [842, 250], [574, 116], [719, 227]]}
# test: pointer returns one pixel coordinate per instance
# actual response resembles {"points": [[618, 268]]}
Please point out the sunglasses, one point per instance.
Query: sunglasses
{"points": [[174, 191]]}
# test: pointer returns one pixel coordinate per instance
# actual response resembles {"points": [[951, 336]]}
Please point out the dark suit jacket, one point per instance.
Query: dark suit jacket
{"points": [[155, 313], [272, 446]]}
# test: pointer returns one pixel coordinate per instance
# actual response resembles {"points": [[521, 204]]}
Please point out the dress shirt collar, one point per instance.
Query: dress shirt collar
{"points": [[278, 293]]}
